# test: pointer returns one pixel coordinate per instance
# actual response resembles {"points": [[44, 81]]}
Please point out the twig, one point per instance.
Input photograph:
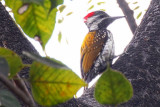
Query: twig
{"points": [[16, 90], [21, 84], [129, 14]]}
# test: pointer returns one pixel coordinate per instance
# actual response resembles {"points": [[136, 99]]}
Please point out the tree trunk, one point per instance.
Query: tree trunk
{"points": [[140, 62]]}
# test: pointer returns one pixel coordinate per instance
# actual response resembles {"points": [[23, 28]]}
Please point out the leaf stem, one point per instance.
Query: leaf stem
{"points": [[27, 65]]}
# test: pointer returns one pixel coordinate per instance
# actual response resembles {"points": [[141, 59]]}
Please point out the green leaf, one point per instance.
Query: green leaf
{"points": [[113, 88], [136, 8], [103, 10], [14, 61], [52, 84], [54, 4], [139, 15], [34, 19], [4, 67], [100, 3], [90, 7], [9, 3], [61, 8], [47, 61], [67, 41], [135, 2], [60, 20], [8, 100], [89, 1], [69, 13], [59, 36], [39, 2]]}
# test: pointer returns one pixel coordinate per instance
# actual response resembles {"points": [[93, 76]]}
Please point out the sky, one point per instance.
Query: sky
{"points": [[74, 30]]}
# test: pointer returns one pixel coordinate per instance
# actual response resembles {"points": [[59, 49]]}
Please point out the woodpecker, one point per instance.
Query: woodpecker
{"points": [[98, 45]]}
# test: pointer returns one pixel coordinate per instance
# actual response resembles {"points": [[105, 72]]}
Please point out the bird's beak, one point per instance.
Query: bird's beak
{"points": [[116, 17], [109, 20]]}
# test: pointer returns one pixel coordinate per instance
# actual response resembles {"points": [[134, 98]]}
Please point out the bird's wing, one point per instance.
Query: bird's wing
{"points": [[90, 49]]}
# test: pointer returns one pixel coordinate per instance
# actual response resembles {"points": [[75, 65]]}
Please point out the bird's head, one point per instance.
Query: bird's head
{"points": [[98, 20]]}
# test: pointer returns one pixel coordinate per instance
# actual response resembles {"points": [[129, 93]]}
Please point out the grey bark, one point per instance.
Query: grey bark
{"points": [[140, 63]]}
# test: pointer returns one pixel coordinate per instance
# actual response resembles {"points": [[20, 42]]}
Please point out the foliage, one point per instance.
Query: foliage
{"points": [[139, 14], [92, 6], [4, 67], [39, 2], [14, 61], [59, 36], [36, 17], [69, 13], [52, 79], [8, 100], [61, 8], [113, 88], [57, 84], [136, 8]]}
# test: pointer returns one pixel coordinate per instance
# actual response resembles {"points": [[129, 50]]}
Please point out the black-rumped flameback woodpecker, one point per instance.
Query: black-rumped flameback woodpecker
{"points": [[98, 46]]}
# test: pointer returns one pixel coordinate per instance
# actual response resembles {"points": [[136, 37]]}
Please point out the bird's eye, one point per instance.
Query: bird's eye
{"points": [[101, 16]]}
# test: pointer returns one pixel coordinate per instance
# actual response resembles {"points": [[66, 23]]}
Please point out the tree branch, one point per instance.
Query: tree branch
{"points": [[16, 91], [129, 15], [20, 84]]}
